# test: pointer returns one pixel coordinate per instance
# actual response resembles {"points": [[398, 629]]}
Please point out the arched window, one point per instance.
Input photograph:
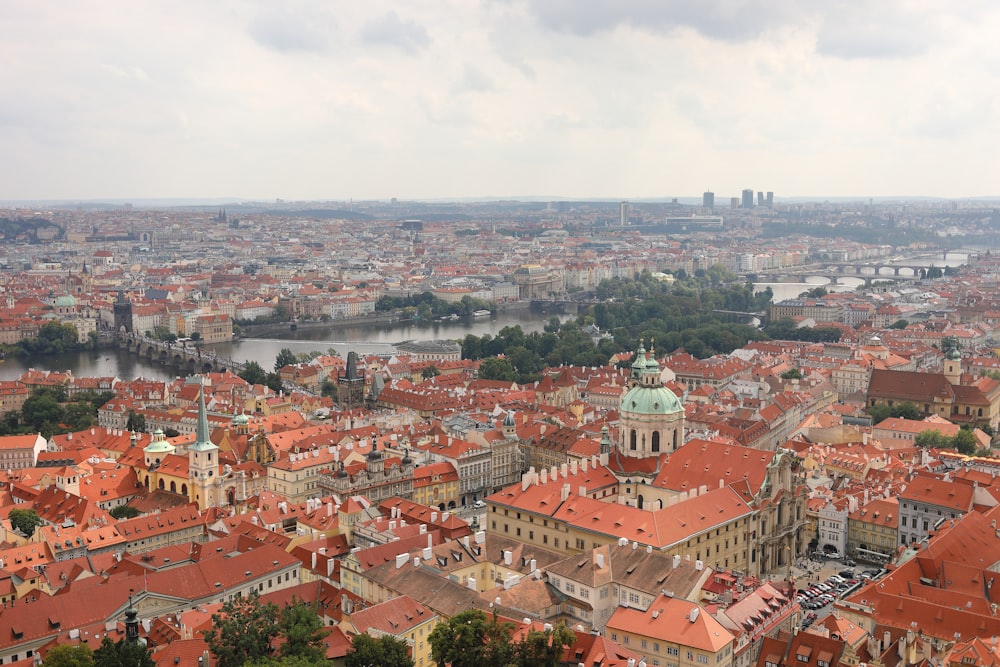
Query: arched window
{"points": [[656, 441], [173, 487], [675, 441], [184, 489], [632, 439], [161, 485]]}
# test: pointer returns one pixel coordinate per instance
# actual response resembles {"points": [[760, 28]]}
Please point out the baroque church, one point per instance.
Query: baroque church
{"points": [[194, 472]]}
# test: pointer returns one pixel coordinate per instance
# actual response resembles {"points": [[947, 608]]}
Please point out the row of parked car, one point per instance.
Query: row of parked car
{"points": [[820, 595]]}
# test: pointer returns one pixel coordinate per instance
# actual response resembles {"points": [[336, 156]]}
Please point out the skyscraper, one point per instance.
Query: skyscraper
{"points": [[708, 200], [760, 199], [623, 214], [748, 198], [770, 200]]}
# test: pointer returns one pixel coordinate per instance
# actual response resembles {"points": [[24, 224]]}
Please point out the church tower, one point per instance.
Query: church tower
{"points": [[203, 460], [652, 417], [952, 360]]}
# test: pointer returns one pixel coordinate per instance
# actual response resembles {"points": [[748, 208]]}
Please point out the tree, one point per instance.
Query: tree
{"points": [[66, 655], [965, 442], [285, 358], [122, 654], [25, 521], [495, 368], [136, 422], [793, 374], [931, 438], [42, 413], [124, 512], [303, 632], [544, 648], [253, 373], [899, 324], [196, 336], [472, 639], [430, 372], [386, 651], [243, 631]]}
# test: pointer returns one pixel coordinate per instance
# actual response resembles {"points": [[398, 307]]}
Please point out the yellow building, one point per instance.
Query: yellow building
{"points": [[872, 531], [436, 485], [403, 618]]}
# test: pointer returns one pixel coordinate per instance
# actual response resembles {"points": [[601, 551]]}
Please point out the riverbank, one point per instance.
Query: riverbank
{"points": [[249, 331]]}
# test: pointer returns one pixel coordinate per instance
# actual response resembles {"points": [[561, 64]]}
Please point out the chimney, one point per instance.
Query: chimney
{"points": [[564, 471], [508, 557], [471, 583], [599, 557], [544, 476], [401, 560], [427, 553], [583, 465], [693, 616], [677, 561]]}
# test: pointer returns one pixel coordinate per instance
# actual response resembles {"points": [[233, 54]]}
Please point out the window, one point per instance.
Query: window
{"points": [[673, 650], [614, 636]]}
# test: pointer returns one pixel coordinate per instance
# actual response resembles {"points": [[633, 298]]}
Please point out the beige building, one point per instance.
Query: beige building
{"points": [[672, 631]]}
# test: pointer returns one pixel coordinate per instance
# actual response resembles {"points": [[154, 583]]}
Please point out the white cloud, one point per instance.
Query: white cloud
{"points": [[621, 98]]}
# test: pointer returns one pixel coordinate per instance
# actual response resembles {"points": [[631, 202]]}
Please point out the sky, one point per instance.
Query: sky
{"points": [[334, 100]]}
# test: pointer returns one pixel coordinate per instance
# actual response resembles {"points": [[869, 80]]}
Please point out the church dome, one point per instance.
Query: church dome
{"points": [[65, 302], [241, 420], [640, 400], [159, 444]]}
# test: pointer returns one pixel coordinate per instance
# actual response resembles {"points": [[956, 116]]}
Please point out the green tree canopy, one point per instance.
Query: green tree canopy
{"points": [[931, 438], [253, 373], [472, 639], [123, 512], [243, 631], [303, 631], [495, 368], [285, 358], [25, 521], [43, 414], [122, 654], [386, 651], [544, 648], [67, 655], [965, 442]]}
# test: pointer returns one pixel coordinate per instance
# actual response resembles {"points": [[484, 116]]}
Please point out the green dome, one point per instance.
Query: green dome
{"points": [[65, 302], [240, 420], [651, 401], [159, 444]]}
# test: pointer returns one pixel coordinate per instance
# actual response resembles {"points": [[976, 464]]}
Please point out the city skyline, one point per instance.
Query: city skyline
{"points": [[629, 101]]}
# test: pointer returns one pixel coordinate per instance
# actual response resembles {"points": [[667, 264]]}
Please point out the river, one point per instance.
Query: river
{"points": [[848, 283], [364, 339]]}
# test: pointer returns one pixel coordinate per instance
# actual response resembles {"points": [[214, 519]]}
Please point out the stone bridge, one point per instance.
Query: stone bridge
{"points": [[190, 359]]}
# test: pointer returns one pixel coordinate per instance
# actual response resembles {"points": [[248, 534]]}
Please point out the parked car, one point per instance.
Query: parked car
{"points": [[847, 574]]}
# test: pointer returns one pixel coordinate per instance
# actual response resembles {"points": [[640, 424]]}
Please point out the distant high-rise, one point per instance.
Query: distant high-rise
{"points": [[770, 200], [760, 199], [748, 198], [734, 203], [623, 214], [708, 200]]}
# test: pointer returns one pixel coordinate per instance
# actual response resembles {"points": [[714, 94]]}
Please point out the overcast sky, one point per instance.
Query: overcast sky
{"points": [[319, 99]]}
